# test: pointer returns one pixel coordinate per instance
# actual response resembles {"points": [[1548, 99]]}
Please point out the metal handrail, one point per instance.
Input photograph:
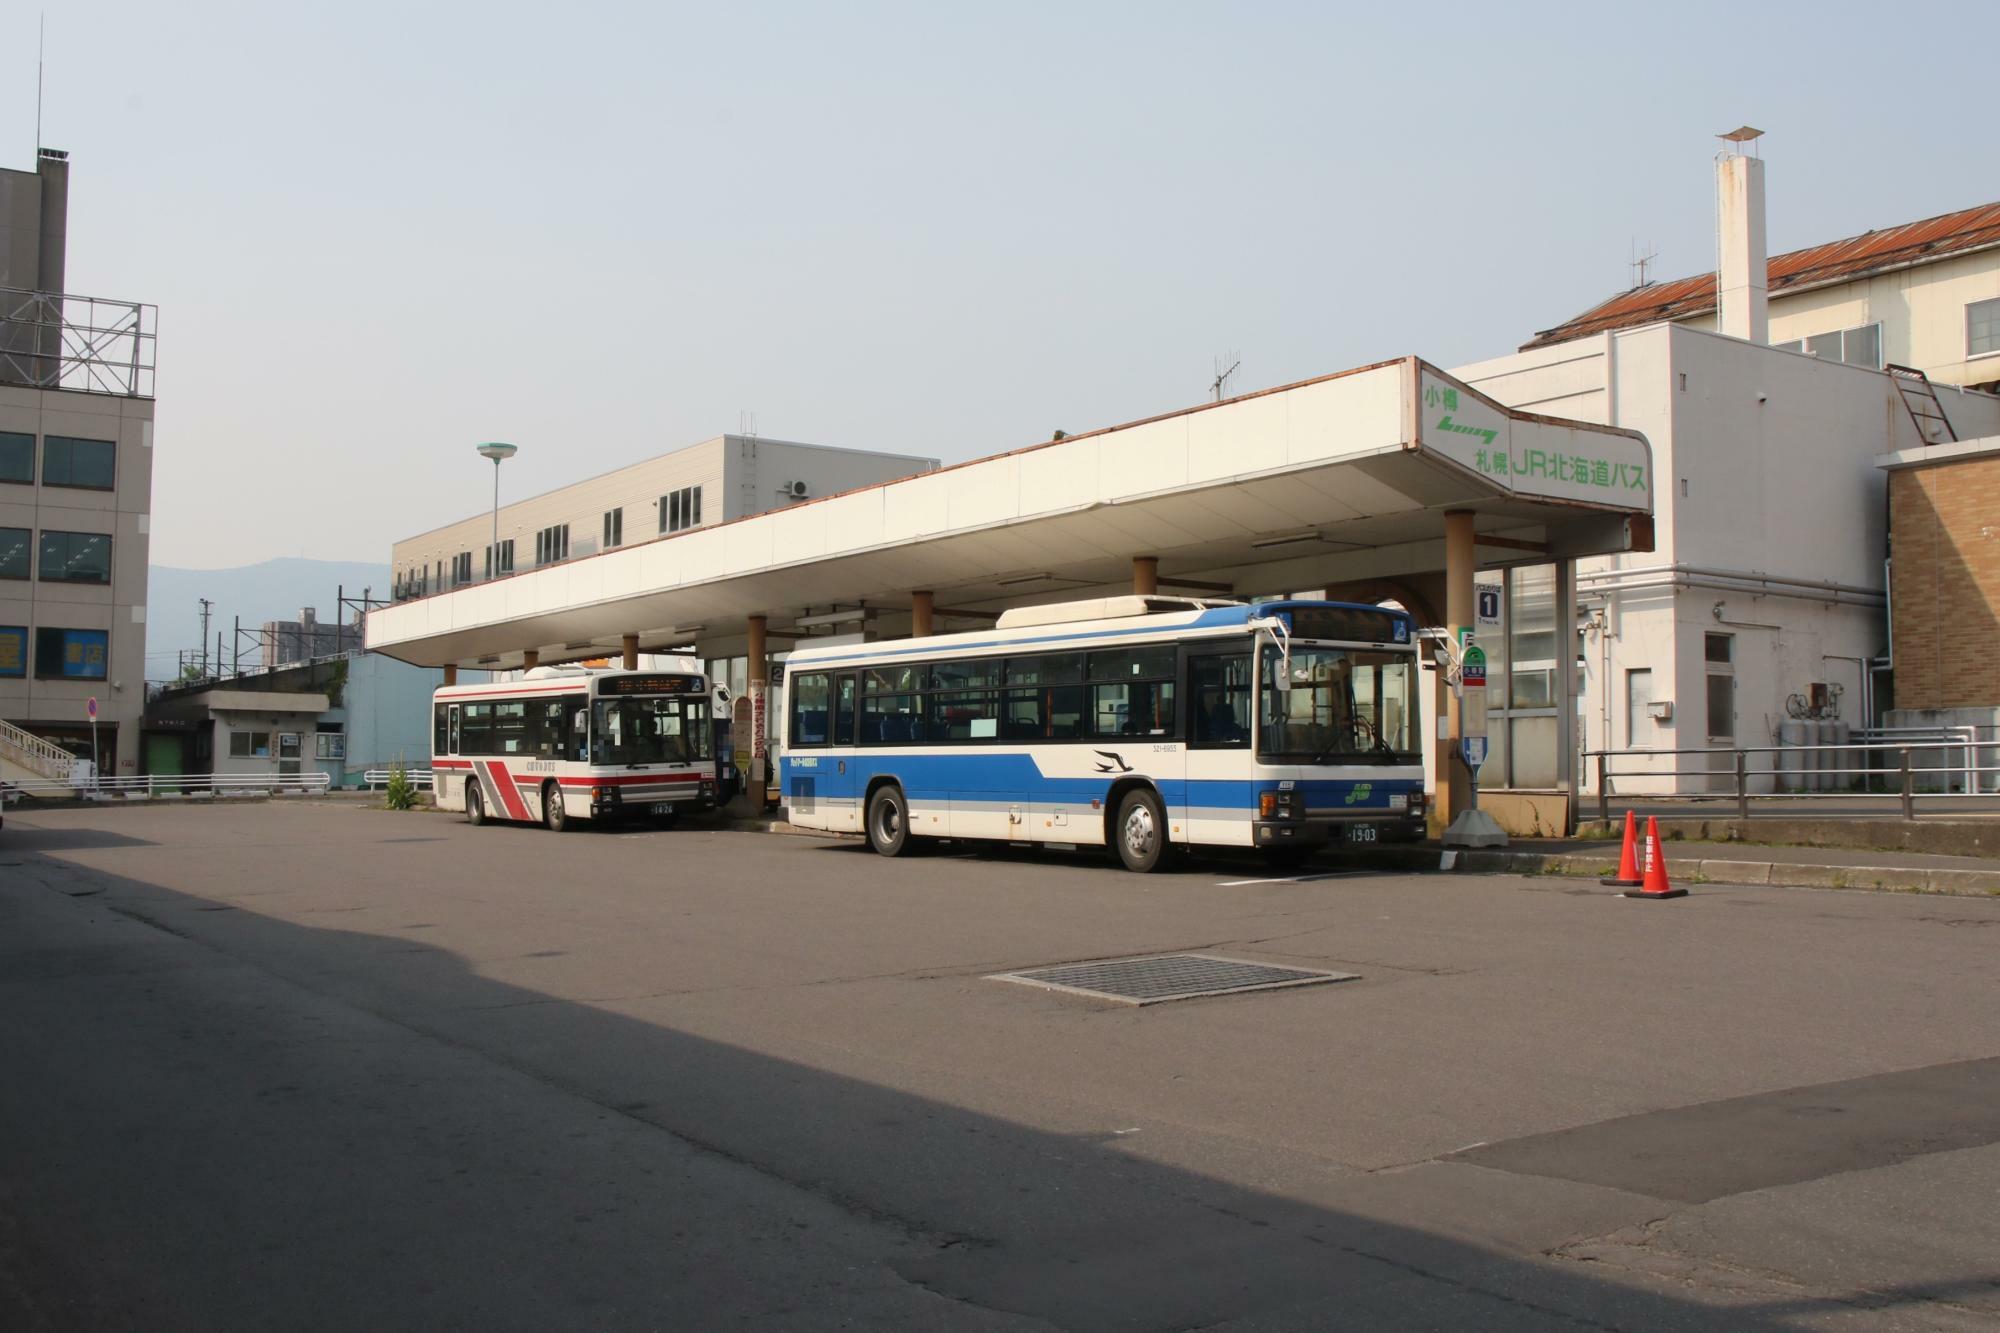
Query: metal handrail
{"points": [[1905, 772], [35, 750]]}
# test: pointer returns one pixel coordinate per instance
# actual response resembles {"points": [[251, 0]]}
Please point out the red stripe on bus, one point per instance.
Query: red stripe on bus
{"points": [[503, 785]]}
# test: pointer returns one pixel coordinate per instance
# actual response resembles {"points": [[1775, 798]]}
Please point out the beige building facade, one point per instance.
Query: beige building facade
{"points": [[719, 480], [76, 485]]}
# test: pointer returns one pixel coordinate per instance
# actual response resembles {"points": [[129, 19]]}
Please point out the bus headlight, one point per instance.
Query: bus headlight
{"points": [[1278, 805]]}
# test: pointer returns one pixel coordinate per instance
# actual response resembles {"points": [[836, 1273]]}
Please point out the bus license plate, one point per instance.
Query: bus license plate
{"points": [[663, 807], [1361, 833]]}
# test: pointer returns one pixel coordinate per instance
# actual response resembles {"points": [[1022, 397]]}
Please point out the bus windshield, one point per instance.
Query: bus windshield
{"points": [[1345, 705], [638, 730]]}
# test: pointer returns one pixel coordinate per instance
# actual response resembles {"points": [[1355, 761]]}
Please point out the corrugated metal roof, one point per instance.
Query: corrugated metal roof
{"points": [[1837, 261]]}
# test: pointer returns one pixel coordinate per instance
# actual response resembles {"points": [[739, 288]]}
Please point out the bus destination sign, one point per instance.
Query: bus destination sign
{"points": [[652, 684]]}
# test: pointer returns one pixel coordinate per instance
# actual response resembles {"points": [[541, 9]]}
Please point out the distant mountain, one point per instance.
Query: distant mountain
{"points": [[273, 590]]}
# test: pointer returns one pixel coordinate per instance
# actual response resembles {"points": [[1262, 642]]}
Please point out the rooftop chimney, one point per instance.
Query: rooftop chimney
{"points": [[1742, 262]]}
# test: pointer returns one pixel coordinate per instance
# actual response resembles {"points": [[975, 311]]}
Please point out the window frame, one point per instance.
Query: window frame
{"points": [[104, 672], [27, 554], [1970, 306], [8, 437], [70, 442], [42, 573]]}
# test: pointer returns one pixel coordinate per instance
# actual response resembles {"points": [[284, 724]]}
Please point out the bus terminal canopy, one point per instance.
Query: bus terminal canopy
{"points": [[1333, 481]]}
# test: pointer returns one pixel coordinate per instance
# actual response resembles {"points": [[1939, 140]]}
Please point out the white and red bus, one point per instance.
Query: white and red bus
{"points": [[565, 743]]}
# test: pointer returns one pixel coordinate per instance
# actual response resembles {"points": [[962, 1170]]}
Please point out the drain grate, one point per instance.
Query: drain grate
{"points": [[1173, 976]]}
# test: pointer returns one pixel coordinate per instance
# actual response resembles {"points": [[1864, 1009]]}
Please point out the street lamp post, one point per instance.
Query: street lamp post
{"points": [[499, 453]]}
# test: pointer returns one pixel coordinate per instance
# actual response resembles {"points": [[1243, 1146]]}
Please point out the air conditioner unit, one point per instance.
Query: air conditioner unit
{"points": [[798, 490]]}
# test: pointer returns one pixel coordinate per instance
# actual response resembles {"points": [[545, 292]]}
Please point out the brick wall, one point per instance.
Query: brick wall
{"points": [[1944, 524]]}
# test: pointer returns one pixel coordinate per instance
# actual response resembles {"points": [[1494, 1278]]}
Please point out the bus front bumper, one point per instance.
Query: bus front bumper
{"points": [[1391, 826]]}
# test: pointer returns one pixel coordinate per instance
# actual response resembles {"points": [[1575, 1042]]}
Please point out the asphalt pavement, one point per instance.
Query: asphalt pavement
{"points": [[324, 1067]]}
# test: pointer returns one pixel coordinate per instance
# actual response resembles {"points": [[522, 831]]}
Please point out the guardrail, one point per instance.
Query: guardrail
{"points": [[177, 785], [1897, 774], [420, 778]]}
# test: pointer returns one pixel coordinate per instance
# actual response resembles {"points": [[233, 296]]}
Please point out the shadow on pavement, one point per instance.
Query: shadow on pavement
{"points": [[225, 1175]]}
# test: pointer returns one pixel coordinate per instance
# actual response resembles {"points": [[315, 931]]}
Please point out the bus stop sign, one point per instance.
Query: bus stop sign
{"points": [[1472, 674]]}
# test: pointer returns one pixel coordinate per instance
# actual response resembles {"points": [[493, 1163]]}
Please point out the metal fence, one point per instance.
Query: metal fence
{"points": [[1946, 767], [420, 778], [204, 785]]}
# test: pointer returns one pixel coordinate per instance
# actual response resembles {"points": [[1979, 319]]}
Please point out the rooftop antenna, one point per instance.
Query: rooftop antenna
{"points": [[1640, 263], [1222, 376], [41, 48]]}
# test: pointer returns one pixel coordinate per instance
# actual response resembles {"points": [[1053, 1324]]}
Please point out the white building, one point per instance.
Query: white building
{"points": [[1766, 576], [76, 482]]}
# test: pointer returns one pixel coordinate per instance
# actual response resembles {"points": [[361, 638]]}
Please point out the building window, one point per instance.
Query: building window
{"points": [[461, 569], [551, 545], [249, 745], [329, 742], [71, 654], [90, 465], [13, 651], [614, 528], [1719, 652], [76, 557], [17, 457], [681, 509], [14, 553], [1858, 346], [1982, 329], [1638, 703]]}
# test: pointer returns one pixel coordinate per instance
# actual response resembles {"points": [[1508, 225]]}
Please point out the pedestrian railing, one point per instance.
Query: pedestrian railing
{"points": [[1948, 768], [177, 784], [379, 777]]}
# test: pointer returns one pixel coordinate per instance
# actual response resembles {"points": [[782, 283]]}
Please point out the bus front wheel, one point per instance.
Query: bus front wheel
{"points": [[554, 816], [1141, 831], [888, 821], [475, 807]]}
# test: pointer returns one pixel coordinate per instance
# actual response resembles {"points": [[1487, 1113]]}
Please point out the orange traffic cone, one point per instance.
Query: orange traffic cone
{"points": [[1628, 859], [1656, 885]]}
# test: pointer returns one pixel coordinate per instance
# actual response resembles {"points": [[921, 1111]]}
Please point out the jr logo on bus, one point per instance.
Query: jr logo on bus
{"points": [[1102, 767], [1359, 792]]}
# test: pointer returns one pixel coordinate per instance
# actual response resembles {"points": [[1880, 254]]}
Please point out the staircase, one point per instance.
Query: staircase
{"points": [[28, 758], [1921, 401]]}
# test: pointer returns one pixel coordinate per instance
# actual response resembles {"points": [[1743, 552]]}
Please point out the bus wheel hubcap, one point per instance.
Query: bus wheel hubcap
{"points": [[1139, 831]]}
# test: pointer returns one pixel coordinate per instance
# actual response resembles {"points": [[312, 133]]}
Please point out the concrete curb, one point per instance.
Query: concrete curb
{"points": [[1711, 870], [1717, 870], [1932, 834]]}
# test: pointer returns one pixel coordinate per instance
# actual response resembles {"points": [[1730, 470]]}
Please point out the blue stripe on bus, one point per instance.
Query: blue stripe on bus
{"points": [[926, 775]]}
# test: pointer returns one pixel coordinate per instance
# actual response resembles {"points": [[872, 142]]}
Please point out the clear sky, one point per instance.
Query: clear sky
{"points": [[379, 234]]}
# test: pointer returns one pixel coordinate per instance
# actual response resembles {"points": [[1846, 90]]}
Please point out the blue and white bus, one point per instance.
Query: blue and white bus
{"points": [[1139, 723]]}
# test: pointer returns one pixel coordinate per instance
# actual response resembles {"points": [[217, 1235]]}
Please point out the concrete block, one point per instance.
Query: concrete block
{"points": [[1733, 872], [1979, 883]]}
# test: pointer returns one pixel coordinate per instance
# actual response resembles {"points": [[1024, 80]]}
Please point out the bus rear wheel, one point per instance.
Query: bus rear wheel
{"points": [[888, 821], [475, 806], [554, 817], [1141, 831]]}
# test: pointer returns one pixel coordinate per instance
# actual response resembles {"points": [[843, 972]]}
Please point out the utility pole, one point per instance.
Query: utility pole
{"points": [[206, 605]]}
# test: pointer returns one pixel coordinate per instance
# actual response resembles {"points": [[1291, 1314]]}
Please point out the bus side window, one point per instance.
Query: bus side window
{"points": [[454, 729], [579, 735], [843, 710]]}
